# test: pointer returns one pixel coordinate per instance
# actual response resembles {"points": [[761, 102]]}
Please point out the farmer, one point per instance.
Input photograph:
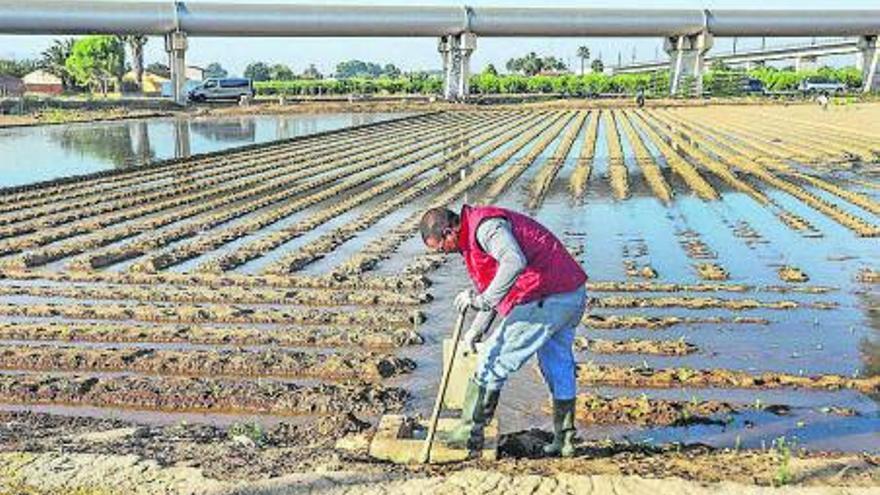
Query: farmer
{"points": [[640, 98], [522, 272], [823, 100]]}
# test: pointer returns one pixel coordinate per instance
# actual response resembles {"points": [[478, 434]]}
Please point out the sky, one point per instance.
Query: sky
{"points": [[421, 53]]}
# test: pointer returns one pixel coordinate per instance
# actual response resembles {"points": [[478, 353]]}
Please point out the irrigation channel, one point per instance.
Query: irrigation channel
{"points": [[732, 253]]}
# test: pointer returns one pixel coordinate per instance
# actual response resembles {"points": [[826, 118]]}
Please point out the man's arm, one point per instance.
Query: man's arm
{"points": [[496, 238]]}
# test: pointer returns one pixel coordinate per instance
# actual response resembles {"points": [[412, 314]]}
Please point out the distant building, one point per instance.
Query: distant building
{"points": [[190, 85], [40, 81], [152, 84], [194, 77], [194, 73], [11, 86]]}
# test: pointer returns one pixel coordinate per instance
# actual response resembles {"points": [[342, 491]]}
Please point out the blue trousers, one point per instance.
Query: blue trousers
{"points": [[546, 328]]}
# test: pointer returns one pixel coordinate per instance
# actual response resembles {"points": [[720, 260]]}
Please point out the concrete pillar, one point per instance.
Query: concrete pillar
{"points": [[467, 44], [456, 51], [687, 59], [806, 62], [175, 45], [869, 48], [453, 68], [181, 138], [443, 48]]}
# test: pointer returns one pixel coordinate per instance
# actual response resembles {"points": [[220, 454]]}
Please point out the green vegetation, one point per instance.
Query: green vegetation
{"points": [[716, 82], [532, 64], [216, 71], [17, 68], [788, 80], [417, 84], [783, 450], [54, 60], [258, 71], [251, 430], [358, 69], [136, 44], [97, 60]]}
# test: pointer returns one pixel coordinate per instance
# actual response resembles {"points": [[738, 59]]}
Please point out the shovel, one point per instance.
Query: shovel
{"points": [[441, 392]]}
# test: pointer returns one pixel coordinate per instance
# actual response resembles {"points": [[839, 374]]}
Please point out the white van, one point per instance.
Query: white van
{"points": [[821, 84], [230, 88]]}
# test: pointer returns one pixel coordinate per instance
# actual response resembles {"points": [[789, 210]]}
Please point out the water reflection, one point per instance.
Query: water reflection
{"points": [[181, 139], [228, 131], [111, 144], [870, 346], [32, 154]]}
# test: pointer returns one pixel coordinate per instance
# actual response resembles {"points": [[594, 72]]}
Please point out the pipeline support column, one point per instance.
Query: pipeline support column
{"points": [[443, 48], [687, 60], [176, 45], [869, 51], [456, 51], [467, 44]]}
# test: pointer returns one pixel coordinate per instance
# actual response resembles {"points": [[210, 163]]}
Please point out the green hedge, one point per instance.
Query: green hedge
{"points": [[298, 87], [788, 80], [720, 83]]}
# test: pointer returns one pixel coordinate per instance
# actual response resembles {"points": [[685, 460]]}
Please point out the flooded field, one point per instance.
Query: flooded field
{"points": [[38, 153], [732, 253]]}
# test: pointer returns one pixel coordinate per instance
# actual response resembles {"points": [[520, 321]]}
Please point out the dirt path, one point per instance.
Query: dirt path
{"points": [[105, 474]]}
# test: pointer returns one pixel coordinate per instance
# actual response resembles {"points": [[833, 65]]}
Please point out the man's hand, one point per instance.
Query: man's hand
{"points": [[470, 339], [463, 300], [468, 299]]}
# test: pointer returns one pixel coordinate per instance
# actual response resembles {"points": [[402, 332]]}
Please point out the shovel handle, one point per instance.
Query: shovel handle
{"points": [[441, 392]]}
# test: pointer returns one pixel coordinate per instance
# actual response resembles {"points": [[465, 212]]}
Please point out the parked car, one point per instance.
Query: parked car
{"points": [[753, 86], [812, 85], [216, 89]]}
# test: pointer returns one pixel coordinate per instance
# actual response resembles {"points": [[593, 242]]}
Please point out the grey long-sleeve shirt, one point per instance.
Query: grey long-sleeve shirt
{"points": [[496, 238]]}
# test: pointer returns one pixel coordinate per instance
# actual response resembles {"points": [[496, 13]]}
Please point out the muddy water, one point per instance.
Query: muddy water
{"points": [[802, 341], [33, 154], [808, 341]]}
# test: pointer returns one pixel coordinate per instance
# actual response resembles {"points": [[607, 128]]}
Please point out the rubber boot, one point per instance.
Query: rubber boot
{"points": [[563, 429], [476, 412]]}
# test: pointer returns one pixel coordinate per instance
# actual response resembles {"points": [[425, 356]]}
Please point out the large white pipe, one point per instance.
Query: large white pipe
{"points": [[229, 19]]}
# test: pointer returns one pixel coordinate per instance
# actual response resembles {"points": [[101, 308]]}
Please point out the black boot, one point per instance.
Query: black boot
{"points": [[477, 411], [563, 429]]}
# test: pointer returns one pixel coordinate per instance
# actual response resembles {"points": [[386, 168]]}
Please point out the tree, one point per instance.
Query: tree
{"points": [[359, 68], [390, 70], [490, 69], [532, 64], [258, 71], [597, 66], [55, 57], [550, 63], [215, 71], [159, 69], [17, 68], [718, 66], [312, 73], [95, 60], [136, 44], [280, 72], [583, 53]]}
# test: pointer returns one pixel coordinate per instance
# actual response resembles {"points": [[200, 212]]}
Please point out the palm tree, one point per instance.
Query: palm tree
{"points": [[136, 44], [583, 53], [54, 60]]}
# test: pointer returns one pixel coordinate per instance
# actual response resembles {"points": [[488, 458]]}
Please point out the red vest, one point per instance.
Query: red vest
{"points": [[550, 268]]}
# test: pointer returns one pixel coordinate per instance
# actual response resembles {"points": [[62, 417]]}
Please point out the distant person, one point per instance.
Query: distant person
{"points": [[640, 98], [522, 272], [823, 100]]}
